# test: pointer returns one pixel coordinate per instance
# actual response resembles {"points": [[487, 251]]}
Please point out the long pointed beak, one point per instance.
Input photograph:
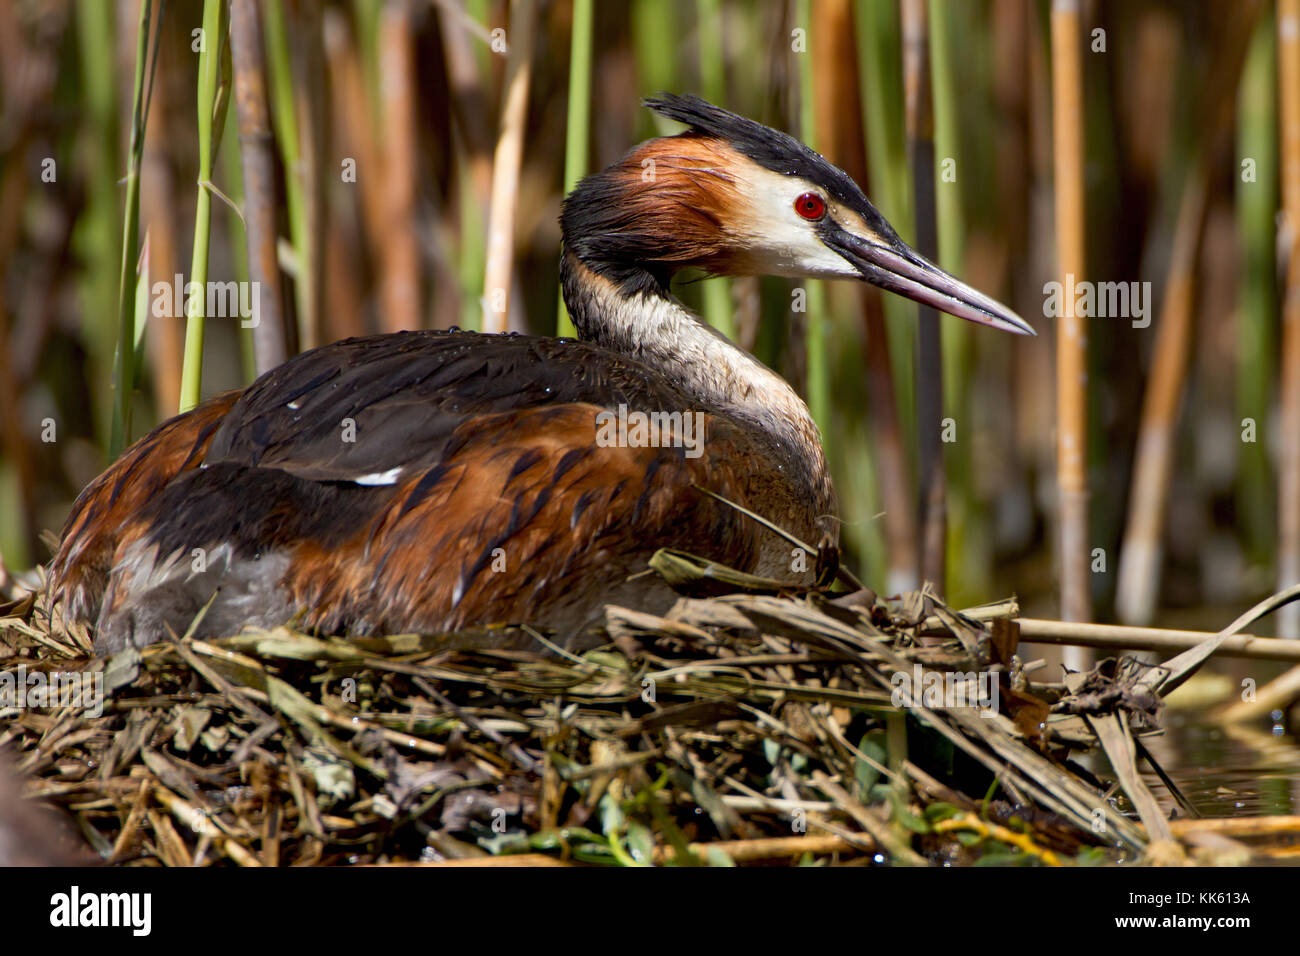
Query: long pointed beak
{"points": [[905, 271]]}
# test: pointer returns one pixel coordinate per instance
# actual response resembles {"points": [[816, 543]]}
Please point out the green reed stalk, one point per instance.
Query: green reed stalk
{"points": [[655, 41], [577, 133], [818, 376], [466, 56], [284, 115], [968, 565], [879, 41], [128, 324], [1256, 494], [209, 69], [233, 182], [139, 315], [932, 500], [713, 86], [950, 216], [97, 231]]}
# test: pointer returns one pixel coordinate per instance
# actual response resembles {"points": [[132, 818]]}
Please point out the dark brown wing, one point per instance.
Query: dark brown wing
{"points": [[474, 492], [405, 394], [80, 570], [527, 519]]}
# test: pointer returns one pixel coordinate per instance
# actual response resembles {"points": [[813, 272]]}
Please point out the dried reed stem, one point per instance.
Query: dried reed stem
{"points": [[158, 213], [1128, 637], [399, 251], [258, 165], [1071, 340], [505, 168], [1142, 553], [1278, 694]]}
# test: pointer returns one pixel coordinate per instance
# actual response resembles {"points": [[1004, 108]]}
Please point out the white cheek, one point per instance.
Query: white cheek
{"points": [[821, 262], [792, 248], [781, 242]]}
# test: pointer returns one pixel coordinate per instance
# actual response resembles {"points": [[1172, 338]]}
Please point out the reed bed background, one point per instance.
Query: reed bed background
{"points": [[391, 164]]}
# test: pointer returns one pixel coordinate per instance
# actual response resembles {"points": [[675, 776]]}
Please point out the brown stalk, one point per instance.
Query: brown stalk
{"points": [[1239, 826], [505, 168], [164, 339], [345, 316], [1278, 694], [270, 347], [354, 111], [400, 255], [1035, 424], [13, 441], [1072, 333], [1141, 554], [355, 141], [1010, 36], [1130, 637]]}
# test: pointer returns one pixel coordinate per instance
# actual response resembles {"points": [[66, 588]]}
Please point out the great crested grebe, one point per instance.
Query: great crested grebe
{"points": [[434, 481]]}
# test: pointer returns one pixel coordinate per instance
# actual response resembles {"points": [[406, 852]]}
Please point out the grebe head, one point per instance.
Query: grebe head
{"points": [[735, 197]]}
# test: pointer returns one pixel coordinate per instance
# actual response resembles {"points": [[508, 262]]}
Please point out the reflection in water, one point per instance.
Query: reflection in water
{"points": [[1226, 770]]}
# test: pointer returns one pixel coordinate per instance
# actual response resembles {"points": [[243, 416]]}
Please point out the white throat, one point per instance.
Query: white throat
{"points": [[658, 330]]}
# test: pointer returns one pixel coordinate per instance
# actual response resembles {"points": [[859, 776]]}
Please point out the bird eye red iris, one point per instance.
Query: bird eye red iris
{"points": [[810, 206]]}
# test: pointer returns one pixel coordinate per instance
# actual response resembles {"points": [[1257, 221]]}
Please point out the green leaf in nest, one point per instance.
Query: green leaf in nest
{"points": [[334, 778], [699, 577]]}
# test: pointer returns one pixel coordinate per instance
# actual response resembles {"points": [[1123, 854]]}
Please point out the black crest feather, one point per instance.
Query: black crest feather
{"points": [[768, 147]]}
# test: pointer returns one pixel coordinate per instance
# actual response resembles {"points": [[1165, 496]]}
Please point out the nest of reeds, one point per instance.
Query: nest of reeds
{"points": [[756, 726]]}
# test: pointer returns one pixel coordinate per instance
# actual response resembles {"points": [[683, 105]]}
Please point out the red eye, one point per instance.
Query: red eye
{"points": [[810, 206]]}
